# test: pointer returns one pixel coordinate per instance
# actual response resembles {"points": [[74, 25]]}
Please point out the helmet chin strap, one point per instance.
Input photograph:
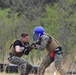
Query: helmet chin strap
{"points": [[39, 36], [43, 33]]}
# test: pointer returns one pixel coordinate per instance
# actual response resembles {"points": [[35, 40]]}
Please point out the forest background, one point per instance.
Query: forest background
{"points": [[58, 17]]}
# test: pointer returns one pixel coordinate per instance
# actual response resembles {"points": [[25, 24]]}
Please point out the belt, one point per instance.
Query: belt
{"points": [[58, 50]]}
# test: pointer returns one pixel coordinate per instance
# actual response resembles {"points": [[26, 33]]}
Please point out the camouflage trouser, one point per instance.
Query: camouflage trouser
{"points": [[48, 60], [25, 67], [57, 60]]}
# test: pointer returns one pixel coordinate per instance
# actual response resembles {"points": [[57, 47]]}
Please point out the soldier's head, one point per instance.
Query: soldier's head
{"points": [[38, 32], [25, 37]]}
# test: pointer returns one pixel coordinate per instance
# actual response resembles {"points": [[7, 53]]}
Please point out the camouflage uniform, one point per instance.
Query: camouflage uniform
{"points": [[50, 44], [25, 67]]}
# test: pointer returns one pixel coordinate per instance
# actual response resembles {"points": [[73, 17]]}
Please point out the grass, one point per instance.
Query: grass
{"points": [[8, 74]]}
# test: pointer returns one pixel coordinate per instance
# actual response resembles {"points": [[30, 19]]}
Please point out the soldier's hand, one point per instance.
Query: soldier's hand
{"points": [[27, 48], [33, 45], [26, 52]]}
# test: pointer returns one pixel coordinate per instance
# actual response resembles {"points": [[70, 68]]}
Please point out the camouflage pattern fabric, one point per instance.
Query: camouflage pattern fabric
{"points": [[47, 61], [25, 67], [57, 59]]}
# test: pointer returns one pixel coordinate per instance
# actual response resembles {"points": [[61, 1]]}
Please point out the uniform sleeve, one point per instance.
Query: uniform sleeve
{"points": [[17, 43], [44, 42]]}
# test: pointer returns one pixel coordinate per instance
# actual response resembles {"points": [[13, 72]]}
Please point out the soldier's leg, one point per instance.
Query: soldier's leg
{"points": [[34, 69], [46, 62], [57, 60], [25, 67]]}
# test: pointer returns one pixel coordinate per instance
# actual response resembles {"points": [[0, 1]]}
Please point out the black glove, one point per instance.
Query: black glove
{"points": [[27, 49], [33, 44]]}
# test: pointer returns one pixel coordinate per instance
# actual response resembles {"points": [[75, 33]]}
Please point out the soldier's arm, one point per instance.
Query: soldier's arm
{"points": [[18, 46], [44, 41], [19, 49]]}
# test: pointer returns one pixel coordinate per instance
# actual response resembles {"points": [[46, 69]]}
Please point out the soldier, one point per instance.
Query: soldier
{"points": [[42, 41], [17, 50]]}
